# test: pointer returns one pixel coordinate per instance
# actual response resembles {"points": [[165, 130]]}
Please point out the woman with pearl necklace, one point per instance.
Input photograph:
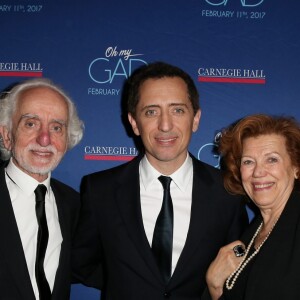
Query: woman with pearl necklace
{"points": [[261, 154]]}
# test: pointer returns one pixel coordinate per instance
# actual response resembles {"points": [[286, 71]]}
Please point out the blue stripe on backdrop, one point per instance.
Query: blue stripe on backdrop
{"points": [[242, 54], [79, 292]]}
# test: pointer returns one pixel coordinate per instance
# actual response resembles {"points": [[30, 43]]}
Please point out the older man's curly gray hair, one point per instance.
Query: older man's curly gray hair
{"points": [[9, 100]]}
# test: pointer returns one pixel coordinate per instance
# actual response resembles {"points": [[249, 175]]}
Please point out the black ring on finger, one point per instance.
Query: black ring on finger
{"points": [[239, 250]]}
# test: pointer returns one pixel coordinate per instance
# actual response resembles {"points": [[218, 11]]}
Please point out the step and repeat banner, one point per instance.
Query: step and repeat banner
{"points": [[242, 54]]}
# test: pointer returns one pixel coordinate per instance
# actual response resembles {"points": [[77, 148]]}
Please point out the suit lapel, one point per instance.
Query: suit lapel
{"points": [[64, 233], [128, 201], [11, 249]]}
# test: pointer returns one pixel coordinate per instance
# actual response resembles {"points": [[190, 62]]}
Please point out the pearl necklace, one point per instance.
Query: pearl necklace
{"points": [[234, 275]]}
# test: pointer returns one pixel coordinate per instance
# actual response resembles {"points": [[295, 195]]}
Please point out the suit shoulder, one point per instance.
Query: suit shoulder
{"points": [[213, 177], [62, 186], [207, 171], [200, 164], [66, 193], [113, 173]]}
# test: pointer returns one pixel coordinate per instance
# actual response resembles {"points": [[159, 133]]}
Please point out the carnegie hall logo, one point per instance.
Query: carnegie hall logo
{"points": [[108, 71], [121, 153], [21, 69], [231, 75]]}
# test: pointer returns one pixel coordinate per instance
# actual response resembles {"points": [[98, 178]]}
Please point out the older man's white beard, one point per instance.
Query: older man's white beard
{"points": [[50, 165]]}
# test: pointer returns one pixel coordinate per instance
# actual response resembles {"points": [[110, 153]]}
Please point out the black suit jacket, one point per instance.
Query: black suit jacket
{"points": [[275, 273], [14, 278], [111, 235]]}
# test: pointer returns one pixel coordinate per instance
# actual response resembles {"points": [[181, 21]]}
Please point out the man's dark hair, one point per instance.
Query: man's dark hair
{"points": [[158, 70]]}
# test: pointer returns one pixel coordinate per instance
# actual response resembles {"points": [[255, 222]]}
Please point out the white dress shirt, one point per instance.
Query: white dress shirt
{"points": [[151, 191], [21, 189]]}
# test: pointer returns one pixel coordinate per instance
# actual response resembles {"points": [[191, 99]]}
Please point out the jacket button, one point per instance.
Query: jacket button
{"points": [[167, 295]]}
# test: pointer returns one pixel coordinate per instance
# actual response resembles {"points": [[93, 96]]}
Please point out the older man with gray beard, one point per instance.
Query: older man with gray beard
{"points": [[38, 214]]}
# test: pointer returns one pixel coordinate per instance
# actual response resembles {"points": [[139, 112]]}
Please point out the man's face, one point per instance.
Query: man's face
{"points": [[38, 138], [165, 121]]}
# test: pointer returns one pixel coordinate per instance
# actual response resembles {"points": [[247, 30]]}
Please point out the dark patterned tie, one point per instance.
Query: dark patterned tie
{"points": [[162, 243], [42, 241]]}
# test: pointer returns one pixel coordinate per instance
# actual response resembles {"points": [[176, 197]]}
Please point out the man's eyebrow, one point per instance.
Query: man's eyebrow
{"points": [[150, 106], [178, 104], [62, 122], [33, 116], [36, 117], [28, 116], [171, 104]]}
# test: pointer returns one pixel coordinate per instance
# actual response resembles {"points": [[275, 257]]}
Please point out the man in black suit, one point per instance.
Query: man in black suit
{"points": [[114, 249], [38, 124]]}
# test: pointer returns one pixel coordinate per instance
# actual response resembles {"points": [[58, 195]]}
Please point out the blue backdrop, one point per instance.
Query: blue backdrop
{"points": [[242, 54]]}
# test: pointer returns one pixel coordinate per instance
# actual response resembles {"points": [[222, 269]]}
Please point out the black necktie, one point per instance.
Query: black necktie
{"points": [[162, 243], [42, 241]]}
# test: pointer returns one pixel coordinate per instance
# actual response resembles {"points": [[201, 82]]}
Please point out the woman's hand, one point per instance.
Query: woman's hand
{"points": [[224, 264]]}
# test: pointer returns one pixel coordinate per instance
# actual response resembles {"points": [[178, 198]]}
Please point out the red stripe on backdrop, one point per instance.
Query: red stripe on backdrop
{"points": [[21, 74], [232, 80], [108, 157]]}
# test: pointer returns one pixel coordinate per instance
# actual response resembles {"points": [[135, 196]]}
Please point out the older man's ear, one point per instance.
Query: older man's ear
{"points": [[5, 137]]}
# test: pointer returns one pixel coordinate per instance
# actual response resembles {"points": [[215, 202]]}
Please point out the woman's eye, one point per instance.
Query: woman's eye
{"points": [[272, 160], [247, 162]]}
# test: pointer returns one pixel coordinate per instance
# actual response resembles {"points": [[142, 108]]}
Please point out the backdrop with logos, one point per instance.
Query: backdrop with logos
{"points": [[242, 54]]}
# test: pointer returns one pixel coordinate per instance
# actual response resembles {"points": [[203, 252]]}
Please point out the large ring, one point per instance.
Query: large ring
{"points": [[239, 250]]}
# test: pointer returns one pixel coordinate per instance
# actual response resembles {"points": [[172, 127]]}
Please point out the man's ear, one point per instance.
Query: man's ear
{"points": [[133, 124], [196, 120], [6, 137]]}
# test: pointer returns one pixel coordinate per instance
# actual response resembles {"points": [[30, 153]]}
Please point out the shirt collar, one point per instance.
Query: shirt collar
{"points": [[24, 181], [180, 177]]}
